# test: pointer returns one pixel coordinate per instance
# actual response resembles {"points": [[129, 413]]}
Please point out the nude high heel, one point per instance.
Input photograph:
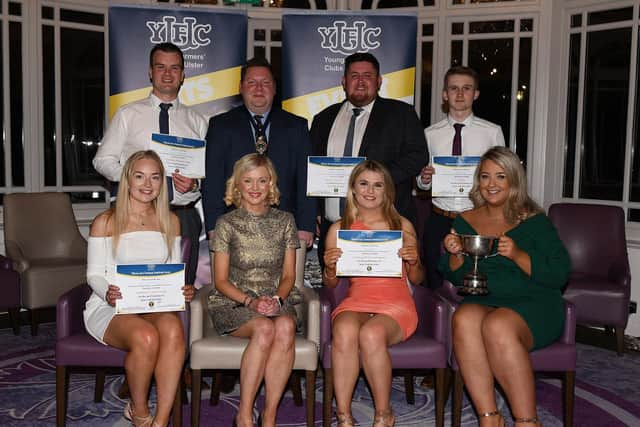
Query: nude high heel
{"points": [[384, 419]]}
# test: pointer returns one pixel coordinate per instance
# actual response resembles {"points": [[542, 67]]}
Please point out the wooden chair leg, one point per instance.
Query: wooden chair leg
{"points": [[215, 388], [569, 386], [296, 388], [14, 316], [441, 396], [310, 392], [196, 381], [177, 405], [619, 332], [61, 395], [456, 406], [34, 322], [99, 390], [327, 397], [409, 390]]}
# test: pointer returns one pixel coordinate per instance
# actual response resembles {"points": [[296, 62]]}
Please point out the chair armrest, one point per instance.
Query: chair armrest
{"points": [[5, 263], [437, 317], [198, 314], [69, 311], [326, 307], [311, 321], [78, 247], [14, 252], [619, 272], [569, 332]]}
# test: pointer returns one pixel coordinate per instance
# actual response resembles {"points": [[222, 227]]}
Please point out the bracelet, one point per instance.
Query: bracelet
{"points": [[249, 299], [412, 265], [277, 298], [329, 277]]}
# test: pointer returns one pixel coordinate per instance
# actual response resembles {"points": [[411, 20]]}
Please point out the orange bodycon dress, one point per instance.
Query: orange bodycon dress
{"points": [[381, 295]]}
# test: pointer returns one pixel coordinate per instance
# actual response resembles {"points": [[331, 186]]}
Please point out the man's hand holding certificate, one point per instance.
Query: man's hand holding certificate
{"points": [[369, 253], [453, 175], [149, 288], [180, 154], [329, 176]]}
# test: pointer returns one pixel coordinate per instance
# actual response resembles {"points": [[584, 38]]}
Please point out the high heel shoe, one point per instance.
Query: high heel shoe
{"points": [[384, 419], [495, 413], [344, 420], [136, 420]]}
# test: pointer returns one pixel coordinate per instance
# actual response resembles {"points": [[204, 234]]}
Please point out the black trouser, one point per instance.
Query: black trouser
{"points": [[190, 226], [436, 227]]}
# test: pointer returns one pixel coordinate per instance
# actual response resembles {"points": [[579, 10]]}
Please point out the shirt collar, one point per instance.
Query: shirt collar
{"points": [[367, 108], [468, 121], [155, 101], [264, 115]]}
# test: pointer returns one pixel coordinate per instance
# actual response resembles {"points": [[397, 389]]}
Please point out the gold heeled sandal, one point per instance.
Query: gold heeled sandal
{"points": [[495, 413], [344, 419], [136, 420], [384, 419], [532, 420]]}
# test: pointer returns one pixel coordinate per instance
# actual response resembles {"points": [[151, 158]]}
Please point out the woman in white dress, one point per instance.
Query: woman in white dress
{"points": [[140, 229]]}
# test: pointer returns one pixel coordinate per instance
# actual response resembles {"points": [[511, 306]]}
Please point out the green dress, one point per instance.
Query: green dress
{"points": [[536, 298]]}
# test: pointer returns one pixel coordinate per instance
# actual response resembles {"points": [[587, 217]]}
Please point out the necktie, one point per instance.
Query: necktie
{"points": [[164, 128], [348, 146], [457, 140], [261, 137]]}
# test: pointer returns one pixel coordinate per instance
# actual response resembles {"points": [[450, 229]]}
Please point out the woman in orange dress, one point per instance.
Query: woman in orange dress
{"points": [[378, 311]]}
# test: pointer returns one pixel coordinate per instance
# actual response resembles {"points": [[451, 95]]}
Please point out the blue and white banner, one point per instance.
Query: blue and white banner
{"points": [[213, 43], [314, 46]]}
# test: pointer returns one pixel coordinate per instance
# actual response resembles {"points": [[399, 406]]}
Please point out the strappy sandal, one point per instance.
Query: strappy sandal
{"points": [[532, 420], [136, 420], [384, 419], [495, 413], [344, 420]]}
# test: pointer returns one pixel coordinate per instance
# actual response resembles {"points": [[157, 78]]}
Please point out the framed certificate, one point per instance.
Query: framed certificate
{"points": [[369, 253], [149, 288], [329, 176], [453, 176], [185, 155]]}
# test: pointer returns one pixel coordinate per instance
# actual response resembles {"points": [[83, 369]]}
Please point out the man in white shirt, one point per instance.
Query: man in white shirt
{"points": [[131, 128], [474, 136]]}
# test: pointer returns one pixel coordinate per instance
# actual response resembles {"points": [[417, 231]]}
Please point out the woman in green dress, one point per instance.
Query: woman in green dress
{"points": [[493, 334]]}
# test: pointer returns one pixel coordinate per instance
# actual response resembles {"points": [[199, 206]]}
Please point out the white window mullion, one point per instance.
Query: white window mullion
{"points": [[631, 101], [579, 143], [57, 70], [6, 84], [515, 67]]}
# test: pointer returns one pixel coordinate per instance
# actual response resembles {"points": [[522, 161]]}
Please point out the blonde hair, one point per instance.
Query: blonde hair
{"points": [[388, 209], [245, 164], [519, 206], [122, 211]]}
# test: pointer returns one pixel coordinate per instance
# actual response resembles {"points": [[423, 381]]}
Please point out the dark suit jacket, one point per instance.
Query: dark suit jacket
{"points": [[230, 137], [394, 137]]}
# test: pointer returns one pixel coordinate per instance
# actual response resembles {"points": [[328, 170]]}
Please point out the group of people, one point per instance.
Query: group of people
{"points": [[257, 213]]}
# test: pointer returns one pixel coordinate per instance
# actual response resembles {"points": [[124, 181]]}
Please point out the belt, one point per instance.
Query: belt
{"points": [[442, 212], [181, 207]]}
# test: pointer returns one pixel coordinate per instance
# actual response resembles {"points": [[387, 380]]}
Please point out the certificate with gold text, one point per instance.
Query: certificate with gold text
{"points": [[178, 154], [453, 176], [329, 176], [369, 253], [149, 288]]}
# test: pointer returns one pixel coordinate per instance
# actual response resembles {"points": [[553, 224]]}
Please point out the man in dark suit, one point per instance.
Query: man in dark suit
{"points": [[370, 126], [246, 129]]}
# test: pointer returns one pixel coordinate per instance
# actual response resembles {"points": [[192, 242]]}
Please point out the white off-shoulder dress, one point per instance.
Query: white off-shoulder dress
{"points": [[136, 247]]}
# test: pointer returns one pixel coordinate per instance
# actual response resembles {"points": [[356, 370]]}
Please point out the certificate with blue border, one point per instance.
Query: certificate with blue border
{"points": [[453, 175], [150, 288], [371, 253], [179, 154], [329, 176]]}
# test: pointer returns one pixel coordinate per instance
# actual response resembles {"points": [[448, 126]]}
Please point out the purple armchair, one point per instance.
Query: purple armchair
{"points": [[600, 281], [10, 283], [425, 350], [557, 357], [75, 347]]}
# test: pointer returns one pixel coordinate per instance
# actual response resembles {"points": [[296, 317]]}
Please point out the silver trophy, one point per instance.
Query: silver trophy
{"points": [[478, 248]]}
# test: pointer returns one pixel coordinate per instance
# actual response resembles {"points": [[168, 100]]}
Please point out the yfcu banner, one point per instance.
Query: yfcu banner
{"points": [[314, 46], [213, 43]]}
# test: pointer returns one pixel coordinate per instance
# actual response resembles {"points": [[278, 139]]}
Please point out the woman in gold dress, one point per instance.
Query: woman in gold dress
{"points": [[254, 272]]}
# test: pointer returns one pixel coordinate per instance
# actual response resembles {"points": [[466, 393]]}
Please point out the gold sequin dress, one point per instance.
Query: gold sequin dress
{"points": [[256, 246]]}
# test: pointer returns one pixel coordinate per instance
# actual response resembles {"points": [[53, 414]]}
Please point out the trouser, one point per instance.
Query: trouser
{"points": [[190, 226], [436, 227]]}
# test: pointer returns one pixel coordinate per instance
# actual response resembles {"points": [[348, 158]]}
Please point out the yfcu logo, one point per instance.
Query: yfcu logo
{"points": [[346, 40], [186, 34]]}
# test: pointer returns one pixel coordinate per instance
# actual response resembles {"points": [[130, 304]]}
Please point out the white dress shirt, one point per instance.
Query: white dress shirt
{"points": [[337, 141], [478, 136], [130, 131]]}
